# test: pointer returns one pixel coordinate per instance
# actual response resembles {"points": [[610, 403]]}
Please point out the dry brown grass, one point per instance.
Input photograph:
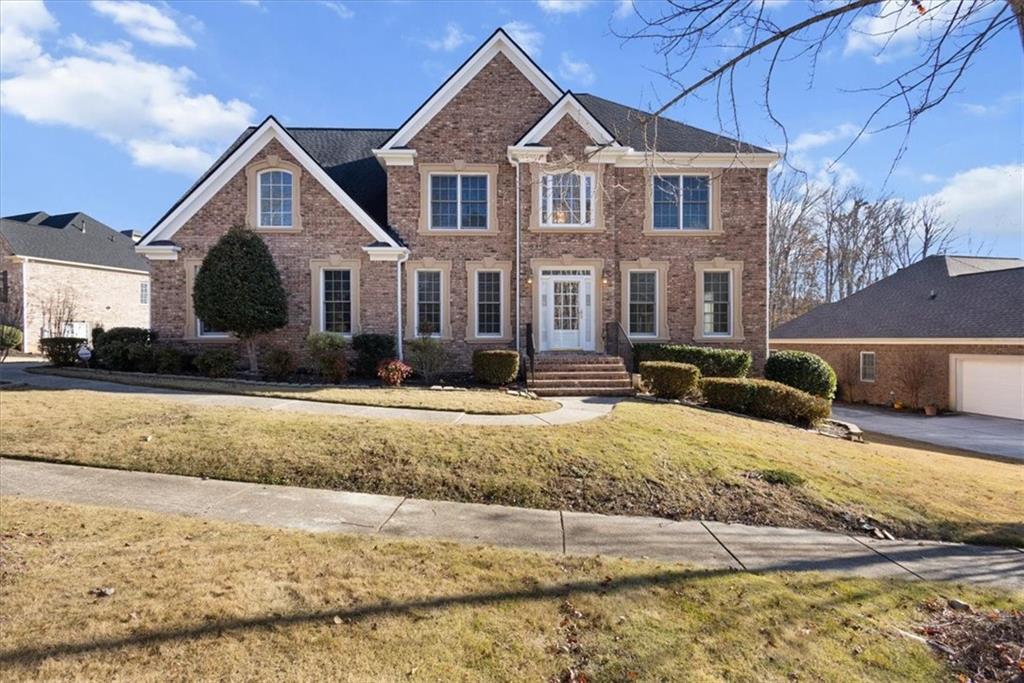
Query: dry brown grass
{"points": [[474, 401], [655, 459], [198, 600]]}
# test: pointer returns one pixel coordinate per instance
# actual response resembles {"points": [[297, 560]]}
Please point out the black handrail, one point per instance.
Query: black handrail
{"points": [[531, 352], [616, 343]]}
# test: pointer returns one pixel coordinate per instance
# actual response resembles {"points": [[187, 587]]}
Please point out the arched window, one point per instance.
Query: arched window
{"points": [[274, 199]]}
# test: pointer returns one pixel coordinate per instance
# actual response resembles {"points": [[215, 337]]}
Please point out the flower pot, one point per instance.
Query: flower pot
{"points": [[931, 410]]}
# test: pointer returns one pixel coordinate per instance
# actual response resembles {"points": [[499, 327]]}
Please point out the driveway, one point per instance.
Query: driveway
{"points": [[979, 433]]}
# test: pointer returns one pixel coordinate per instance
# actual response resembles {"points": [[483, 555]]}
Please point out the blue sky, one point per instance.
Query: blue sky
{"points": [[115, 108]]}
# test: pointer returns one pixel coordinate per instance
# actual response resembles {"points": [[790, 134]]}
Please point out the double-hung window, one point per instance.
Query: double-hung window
{"points": [[458, 202], [274, 199], [643, 303], [143, 292], [336, 301], [488, 303], [567, 200], [717, 304], [867, 366], [682, 202], [428, 302]]}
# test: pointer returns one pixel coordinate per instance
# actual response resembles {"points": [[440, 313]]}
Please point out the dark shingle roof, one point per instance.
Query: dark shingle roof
{"points": [[635, 128], [925, 300], [62, 238]]}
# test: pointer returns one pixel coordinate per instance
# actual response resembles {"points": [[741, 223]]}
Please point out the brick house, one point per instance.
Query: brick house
{"points": [[947, 331], [69, 271], [503, 208]]}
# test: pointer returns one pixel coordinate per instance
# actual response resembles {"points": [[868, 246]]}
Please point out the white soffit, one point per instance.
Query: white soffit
{"points": [[498, 42], [269, 130]]}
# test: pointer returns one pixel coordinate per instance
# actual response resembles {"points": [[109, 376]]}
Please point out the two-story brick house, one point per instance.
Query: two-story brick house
{"points": [[504, 206]]}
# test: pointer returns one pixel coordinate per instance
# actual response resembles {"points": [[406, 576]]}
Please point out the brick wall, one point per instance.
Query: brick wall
{"points": [[328, 230], [891, 363]]}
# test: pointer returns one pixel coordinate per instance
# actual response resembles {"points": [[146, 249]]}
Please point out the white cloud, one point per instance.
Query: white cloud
{"points": [[563, 6], [454, 37], [1002, 105], [528, 38], [145, 107], [144, 22], [987, 199], [575, 71], [897, 26], [338, 8], [623, 9], [815, 139], [930, 178], [21, 24]]}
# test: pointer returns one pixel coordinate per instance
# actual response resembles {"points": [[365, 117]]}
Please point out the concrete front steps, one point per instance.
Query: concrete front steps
{"points": [[580, 375]]}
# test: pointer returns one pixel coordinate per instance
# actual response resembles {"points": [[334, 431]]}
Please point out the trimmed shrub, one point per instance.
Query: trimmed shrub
{"points": [[427, 356], [328, 351], [802, 370], [97, 332], [370, 350], [216, 362], [670, 380], [496, 366], [121, 348], [238, 288], [279, 363], [10, 339], [765, 399], [170, 361], [61, 351], [393, 372], [710, 361]]}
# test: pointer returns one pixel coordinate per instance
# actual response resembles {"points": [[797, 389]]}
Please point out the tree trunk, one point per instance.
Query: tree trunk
{"points": [[250, 350], [1018, 9]]}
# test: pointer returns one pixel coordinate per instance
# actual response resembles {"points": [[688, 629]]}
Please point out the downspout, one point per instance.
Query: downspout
{"points": [[519, 348], [398, 288], [24, 306]]}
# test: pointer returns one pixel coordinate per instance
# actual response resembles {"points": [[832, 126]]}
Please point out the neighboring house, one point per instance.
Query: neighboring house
{"points": [[502, 205], [71, 272], [949, 329]]}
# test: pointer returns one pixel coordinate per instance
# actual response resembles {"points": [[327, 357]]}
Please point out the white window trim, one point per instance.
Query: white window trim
{"points": [[546, 199], [711, 202], [458, 201], [416, 306], [874, 366], [351, 301], [501, 303], [629, 302], [144, 293], [732, 300], [259, 199]]}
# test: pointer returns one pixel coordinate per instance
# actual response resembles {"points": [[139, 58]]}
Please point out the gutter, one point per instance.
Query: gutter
{"points": [[518, 257], [398, 291]]}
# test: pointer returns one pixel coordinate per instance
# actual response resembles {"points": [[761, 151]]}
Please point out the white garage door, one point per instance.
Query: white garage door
{"points": [[989, 385]]}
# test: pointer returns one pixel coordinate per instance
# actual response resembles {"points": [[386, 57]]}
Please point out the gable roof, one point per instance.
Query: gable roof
{"points": [[567, 105], [498, 42], [635, 128], [72, 237], [932, 298], [342, 151]]}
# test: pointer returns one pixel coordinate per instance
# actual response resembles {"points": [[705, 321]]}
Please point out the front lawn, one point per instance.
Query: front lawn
{"points": [[476, 401], [97, 594], [646, 459]]}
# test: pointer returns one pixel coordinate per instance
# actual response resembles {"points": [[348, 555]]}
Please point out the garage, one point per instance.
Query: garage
{"points": [[988, 384]]}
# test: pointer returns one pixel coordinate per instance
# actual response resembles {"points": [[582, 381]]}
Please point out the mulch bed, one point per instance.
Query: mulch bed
{"points": [[982, 646]]}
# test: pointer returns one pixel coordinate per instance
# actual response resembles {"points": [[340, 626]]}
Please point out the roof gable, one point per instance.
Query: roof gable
{"points": [[567, 105], [499, 42], [234, 161]]}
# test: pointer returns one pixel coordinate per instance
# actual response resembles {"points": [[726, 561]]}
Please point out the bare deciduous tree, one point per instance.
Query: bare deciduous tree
{"points": [[60, 310]]}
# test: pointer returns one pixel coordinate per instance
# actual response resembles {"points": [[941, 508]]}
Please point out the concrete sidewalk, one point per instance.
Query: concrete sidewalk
{"points": [[573, 408], [703, 544]]}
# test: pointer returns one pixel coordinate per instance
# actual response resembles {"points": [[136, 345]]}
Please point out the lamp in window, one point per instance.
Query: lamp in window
{"points": [[560, 216]]}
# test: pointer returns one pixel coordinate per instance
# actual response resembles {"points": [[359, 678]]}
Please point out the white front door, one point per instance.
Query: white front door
{"points": [[566, 310]]}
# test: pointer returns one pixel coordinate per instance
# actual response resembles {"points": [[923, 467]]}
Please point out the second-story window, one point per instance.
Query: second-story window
{"points": [[275, 199], [567, 200], [682, 202], [458, 202]]}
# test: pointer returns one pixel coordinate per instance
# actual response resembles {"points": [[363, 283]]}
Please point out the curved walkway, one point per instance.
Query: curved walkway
{"points": [[573, 409], [701, 544]]}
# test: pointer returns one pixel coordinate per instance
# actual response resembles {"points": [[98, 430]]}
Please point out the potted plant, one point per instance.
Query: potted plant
{"points": [[931, 410]]}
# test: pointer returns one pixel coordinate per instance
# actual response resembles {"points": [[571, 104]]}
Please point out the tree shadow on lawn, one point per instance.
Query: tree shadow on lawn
{"points": [[34, 655]]}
